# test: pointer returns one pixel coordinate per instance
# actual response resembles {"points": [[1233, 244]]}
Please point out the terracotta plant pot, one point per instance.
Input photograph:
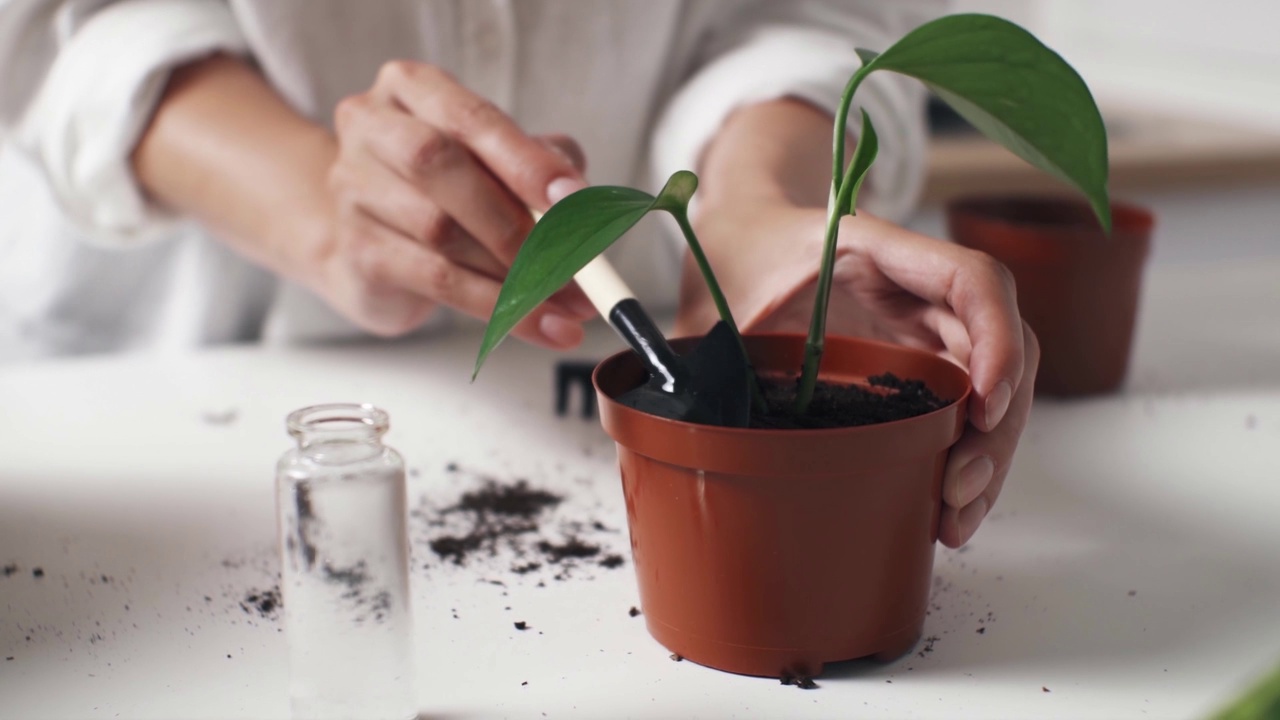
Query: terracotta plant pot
{"points": [[771, 552], [1077, 288]]}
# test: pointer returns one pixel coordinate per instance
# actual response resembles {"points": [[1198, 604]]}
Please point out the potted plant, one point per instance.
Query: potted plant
{"points": [[773, 549], [1078, 286]]}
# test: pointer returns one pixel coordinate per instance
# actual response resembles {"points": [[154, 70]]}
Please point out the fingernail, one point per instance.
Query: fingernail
{"points": [[998, 403], [560, 188], [974, 478], [555, 148], [560, 331]]}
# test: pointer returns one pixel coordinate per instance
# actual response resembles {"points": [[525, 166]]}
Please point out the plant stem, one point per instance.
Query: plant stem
{"points": [[842, 189], [840, 128], [841, 198], [814, 344], [717, 295]]}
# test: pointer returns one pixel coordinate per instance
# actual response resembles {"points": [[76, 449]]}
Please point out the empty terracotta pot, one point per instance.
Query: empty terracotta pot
{"points": [[772, 552], [1077, 287]]}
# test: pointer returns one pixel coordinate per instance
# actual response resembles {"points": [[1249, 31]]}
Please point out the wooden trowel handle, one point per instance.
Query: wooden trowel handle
{"points": [[602, 285], [615, 302]]}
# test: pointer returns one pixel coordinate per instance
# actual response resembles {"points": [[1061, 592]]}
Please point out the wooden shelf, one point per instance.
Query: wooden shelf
{"points": [[1148, 152]]}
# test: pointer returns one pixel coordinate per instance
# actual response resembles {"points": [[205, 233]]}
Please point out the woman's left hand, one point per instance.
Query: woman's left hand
{"points": [[891, 284]]}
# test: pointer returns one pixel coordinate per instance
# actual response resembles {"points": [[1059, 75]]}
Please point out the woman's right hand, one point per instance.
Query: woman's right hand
{"points": [[431, 191]]}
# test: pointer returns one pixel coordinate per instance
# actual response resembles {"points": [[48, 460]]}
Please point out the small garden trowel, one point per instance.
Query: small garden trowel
{"points": [[709, 386]]}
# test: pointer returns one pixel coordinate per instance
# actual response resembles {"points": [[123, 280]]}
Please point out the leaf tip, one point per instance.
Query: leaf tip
{"points": [[678, 191], [486, 346], [1102, 209]]}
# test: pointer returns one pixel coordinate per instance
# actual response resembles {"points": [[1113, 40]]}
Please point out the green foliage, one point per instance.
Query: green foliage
{"points": [[1261, 702], [1006, 83], [570, 235], [995, 74], [1015, 90]]}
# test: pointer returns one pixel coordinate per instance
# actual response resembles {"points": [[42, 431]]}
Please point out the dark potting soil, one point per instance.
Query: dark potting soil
{"points": [[264, 603], [506, 522], [571, 548], [889, 398], [518, 500]]}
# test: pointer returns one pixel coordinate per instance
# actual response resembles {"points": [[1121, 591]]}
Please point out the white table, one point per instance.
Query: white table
{"points": [[1130, 570]]}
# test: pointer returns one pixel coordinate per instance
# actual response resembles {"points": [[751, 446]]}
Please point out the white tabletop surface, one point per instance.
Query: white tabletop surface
{"points": [[1130, 569]]}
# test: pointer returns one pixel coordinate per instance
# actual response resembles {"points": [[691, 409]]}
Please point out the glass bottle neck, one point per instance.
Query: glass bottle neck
{"points": [[339, 433]]}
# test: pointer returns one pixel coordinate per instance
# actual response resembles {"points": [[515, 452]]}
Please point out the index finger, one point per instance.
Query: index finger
{"points": [[524, 164], [975, 287]]}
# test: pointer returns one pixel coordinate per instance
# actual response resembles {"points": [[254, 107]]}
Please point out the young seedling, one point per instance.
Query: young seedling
{"points": [[996, 75]]}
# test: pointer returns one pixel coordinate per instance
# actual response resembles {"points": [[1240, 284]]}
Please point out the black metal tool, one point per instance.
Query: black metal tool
{"points": [[709, 385], [568, 374]]}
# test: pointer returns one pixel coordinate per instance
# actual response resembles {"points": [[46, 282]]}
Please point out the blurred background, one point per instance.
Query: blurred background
{"points": [[1191, 95]]}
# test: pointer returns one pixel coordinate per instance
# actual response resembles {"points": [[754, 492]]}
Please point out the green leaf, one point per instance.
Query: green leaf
{"points": [[1261, 702], [677, 193], [572, 233], [1015, 90], [863, 156]]}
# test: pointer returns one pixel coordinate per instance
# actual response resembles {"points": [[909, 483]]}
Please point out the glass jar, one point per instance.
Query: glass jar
{"points": [[340, 504]]}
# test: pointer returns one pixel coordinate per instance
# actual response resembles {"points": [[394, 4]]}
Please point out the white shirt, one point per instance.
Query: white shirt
{"points": [[88, 265]]}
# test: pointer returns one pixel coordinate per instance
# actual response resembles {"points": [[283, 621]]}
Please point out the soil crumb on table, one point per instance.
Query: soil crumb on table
{"points": [[264, 603], [516, 527], [929, 642], [571, 548]]}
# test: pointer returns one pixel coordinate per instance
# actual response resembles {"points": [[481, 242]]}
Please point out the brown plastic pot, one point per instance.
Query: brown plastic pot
{"points": [[772, 552], [1077, 287]]}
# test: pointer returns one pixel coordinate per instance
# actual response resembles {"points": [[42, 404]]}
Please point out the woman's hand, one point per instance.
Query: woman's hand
{"points": [[421, 200], [432, 188], [765, 181], [895, 285]]}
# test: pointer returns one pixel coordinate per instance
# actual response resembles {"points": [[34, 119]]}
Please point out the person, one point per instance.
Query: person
{"points": [[259, 158]]}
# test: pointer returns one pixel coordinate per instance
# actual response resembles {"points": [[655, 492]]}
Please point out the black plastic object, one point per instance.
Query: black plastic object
{"points": [[709, 386], [568, 374]]}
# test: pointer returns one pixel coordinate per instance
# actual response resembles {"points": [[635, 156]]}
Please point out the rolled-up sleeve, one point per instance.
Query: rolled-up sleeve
{"points": [[81, 80], [805, 49]]}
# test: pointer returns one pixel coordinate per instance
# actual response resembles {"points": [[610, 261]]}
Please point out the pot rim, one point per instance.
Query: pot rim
{"points": [[1129, 219], [812, 432]]}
